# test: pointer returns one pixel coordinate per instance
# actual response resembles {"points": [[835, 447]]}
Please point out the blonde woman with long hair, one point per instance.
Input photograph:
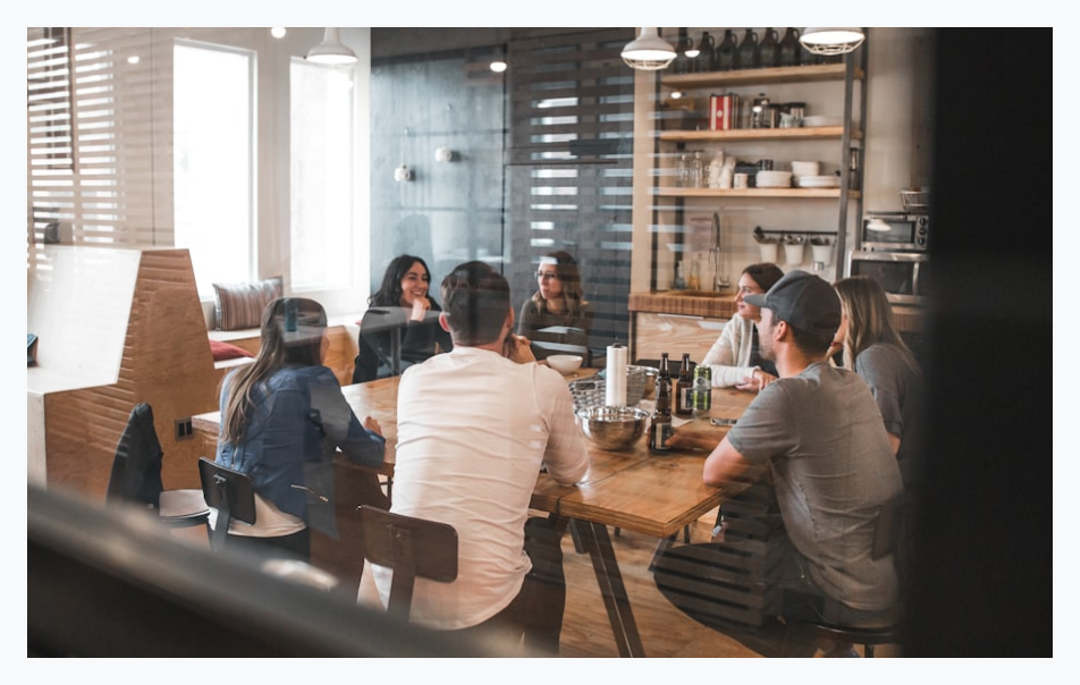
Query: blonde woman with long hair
{"points": [[874, 350]]}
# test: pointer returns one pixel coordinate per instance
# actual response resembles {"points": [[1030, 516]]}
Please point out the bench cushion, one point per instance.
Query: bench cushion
{"points": [[241, 305]]}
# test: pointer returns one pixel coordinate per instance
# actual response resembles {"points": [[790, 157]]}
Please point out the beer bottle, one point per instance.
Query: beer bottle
{"points": [[702, 390], [661, 428], [684, 389]]}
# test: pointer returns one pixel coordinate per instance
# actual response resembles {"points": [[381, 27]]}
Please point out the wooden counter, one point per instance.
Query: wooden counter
{"points": [[908, 319], [685, 302]]}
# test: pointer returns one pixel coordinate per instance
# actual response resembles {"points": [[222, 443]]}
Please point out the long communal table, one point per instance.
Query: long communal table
{"points": [[630, 489]]}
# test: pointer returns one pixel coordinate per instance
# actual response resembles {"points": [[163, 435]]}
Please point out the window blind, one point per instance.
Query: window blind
{"points": [[571, 165], [92, 98]]}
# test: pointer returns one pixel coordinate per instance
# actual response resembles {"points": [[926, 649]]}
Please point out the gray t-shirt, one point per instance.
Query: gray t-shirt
{"points": [[824, 440], [896, 388]]}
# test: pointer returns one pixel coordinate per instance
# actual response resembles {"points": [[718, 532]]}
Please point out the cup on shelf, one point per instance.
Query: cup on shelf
{"points": [[793, 253], [822, 253], [769, 252], [742, 180]]}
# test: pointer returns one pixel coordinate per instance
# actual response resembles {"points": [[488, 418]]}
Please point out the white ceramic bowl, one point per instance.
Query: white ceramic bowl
{"points": [[800, 169], [815, 121], [565, 363]]}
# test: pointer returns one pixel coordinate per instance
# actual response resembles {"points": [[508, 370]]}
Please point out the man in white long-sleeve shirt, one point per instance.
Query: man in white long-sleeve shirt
{"points": [[474, 427]]}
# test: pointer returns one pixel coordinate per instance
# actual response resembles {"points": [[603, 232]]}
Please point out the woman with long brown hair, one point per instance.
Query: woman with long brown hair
{"points": [[735, 358], [282, 419], [557, 318], [874, 350], [403, 302]]}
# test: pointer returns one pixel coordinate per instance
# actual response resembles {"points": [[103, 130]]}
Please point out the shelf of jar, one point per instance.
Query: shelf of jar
{"points": [[737, 134], [803, 193], [750, 77]]}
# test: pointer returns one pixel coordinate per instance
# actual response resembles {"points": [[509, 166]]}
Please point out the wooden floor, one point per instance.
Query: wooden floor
{"points": [[665, 630]]}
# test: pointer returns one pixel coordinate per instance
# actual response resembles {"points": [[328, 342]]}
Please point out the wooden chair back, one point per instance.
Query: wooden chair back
{"points": [[410, 546]]}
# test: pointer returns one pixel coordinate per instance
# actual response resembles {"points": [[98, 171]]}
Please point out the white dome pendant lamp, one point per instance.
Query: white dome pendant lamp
{"points": [[648, 52], [831, 41], [331, 51]]}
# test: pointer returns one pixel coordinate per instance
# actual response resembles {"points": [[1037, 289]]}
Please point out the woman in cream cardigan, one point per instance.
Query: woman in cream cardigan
{"points": [[735, 357]]}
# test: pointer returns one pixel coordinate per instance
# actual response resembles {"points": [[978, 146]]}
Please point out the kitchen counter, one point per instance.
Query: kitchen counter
{"points": [[908, 319], [684, 302]]}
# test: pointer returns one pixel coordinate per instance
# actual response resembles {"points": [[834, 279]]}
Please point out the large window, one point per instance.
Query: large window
{"points": [[321, 212], [213, 161]]}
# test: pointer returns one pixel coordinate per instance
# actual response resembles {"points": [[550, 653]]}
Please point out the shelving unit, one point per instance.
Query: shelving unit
{"points": [[672, 203]]}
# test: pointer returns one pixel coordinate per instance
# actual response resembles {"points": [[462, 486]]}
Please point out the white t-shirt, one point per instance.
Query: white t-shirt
{"points": [[473, 430]]}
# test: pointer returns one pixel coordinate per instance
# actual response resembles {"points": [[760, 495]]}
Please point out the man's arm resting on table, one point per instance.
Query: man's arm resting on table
{"points": [[726, 467]]}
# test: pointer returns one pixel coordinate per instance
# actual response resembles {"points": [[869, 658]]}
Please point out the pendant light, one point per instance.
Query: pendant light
{"points": [[831, 41], [648, 52], [331, 51]]}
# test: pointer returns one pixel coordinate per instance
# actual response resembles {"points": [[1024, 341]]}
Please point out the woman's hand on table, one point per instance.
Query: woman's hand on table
{"points": [[372, 425], [756, 381]]}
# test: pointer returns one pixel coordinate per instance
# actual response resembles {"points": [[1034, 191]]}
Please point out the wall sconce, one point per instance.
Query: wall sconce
{"points": [[402, 174], [444, 154]]}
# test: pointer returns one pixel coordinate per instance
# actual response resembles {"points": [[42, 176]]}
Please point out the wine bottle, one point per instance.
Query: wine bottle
{"points": [[661, 429]]}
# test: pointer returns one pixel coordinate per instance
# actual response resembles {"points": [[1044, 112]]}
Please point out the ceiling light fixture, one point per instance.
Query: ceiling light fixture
{"points": [[831, 41], [277, 31], [331, 51], [498, 66], [648, 52]]}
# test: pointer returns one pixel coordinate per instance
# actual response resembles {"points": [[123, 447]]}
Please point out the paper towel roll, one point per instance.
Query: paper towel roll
{"points": [[615, 376]]}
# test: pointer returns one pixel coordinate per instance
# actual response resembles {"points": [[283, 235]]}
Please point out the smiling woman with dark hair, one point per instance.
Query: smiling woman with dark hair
{"points": [[401, 307]]}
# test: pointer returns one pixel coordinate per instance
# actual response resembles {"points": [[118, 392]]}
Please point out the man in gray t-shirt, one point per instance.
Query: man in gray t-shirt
{"points": [[819, 434]]}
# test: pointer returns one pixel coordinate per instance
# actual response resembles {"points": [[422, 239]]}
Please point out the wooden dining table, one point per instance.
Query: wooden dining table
{"points": [[632, 489]]}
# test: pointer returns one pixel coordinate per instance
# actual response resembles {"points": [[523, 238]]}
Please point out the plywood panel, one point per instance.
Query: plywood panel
{"points": [[165, 362]]}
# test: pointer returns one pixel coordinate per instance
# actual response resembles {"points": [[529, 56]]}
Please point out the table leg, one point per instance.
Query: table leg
{"points": [[595, 538]]}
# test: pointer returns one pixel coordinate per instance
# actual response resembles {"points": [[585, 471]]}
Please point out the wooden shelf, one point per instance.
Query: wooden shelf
{"points": [[749, 77], [802, 193], [817, 132]]}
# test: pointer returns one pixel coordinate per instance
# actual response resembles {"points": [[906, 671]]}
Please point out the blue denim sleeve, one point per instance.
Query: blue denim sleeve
{"points": [[340, 425]]}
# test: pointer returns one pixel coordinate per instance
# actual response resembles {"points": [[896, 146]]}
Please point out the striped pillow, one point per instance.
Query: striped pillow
{"points": [[241, 305]]}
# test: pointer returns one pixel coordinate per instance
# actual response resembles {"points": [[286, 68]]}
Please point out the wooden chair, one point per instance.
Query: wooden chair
{"points": [[231, 493], [889, 519], [412, 547], [136, 475]]}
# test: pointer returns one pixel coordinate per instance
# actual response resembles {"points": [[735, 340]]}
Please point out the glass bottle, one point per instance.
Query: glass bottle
{"points": [[790, 49], [705, 61], [702, 389], [684, 388], [725, 52], [682, 177], [769, 49], [697, 171], [660, 429], [746, 55]]}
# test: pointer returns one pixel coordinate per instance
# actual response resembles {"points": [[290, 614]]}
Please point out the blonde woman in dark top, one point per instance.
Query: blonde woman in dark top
{"points": [[557, 319], [874, 350]]}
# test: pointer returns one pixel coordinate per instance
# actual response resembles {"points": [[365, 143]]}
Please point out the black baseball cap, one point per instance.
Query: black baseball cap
{"points": [[804, 301]]}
